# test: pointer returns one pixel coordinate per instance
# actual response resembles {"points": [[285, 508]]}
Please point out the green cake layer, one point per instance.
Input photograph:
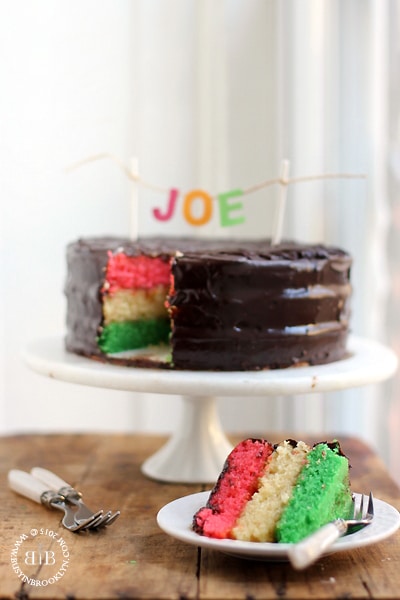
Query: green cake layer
{"points": [[120, 336], [321, 494]]}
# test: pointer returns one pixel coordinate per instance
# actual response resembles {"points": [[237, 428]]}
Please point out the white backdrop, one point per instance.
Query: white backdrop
{"points": [[207, 94]]}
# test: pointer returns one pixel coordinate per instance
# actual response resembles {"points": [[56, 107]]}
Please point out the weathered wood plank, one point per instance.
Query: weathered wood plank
{"points": [[134, 559]]}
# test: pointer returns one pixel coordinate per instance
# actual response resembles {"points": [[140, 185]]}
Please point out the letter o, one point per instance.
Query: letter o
{"points": [[207, 207]]}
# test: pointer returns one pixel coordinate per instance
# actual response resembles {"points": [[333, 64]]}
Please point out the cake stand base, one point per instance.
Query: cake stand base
{"points": [[196, 452]]}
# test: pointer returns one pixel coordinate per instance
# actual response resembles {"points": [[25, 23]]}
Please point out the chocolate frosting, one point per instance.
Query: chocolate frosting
{"points": [[235, 304]]}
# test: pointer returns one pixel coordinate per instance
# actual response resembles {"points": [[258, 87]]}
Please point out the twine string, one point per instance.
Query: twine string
{"points": [[245, 192], [128, 172]]}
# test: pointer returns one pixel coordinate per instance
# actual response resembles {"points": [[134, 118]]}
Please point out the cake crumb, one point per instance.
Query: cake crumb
{"points": [[330, 580]]}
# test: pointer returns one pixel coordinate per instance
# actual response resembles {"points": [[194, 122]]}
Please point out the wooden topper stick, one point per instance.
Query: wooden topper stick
{"points": [[134, 220], [280, 210]]}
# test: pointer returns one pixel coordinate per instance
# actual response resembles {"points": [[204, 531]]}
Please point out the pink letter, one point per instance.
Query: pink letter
{"points": [[173, 196]]}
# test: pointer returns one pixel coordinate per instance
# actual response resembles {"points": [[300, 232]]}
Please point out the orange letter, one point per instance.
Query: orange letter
{"points": [[207, 207]]}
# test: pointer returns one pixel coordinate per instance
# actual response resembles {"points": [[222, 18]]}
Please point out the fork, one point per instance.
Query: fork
{"points": [[308, 550], [74, 497], [27, 485]]}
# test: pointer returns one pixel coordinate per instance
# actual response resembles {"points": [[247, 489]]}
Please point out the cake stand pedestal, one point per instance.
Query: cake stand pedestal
{"points": [[196, 451]]}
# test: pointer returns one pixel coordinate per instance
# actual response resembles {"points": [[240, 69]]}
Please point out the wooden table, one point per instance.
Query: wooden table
{"points": [[134, 559]]}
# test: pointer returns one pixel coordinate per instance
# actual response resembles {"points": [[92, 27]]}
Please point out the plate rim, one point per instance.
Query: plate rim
{"points": [[270, 550]]}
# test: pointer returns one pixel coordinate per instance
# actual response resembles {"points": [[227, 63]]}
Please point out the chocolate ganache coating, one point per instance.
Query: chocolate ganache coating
{"points": [[255, 306], [234, 304]]}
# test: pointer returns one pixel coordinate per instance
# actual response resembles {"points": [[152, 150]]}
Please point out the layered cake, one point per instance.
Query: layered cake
{"points": [[213, 304], [277, 493]]}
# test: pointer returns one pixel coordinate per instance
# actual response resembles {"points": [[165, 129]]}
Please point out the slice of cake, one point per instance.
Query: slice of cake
{"points": [[296, 490]]}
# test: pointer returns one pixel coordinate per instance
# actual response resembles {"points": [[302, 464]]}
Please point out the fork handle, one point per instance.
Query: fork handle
{"points": [[53, 481], [25, 484], [307, 551]]}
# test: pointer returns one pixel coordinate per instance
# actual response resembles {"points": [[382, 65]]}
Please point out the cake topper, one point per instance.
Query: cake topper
{"points": [[229, 207], [281, 206], [134, 228]]}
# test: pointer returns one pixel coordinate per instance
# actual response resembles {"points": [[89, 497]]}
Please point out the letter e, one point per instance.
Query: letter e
{"points": [[225, 208]]}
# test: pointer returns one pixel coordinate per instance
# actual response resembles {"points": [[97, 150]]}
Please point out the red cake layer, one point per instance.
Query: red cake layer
{"points": [[135, 272], [235, 486]]}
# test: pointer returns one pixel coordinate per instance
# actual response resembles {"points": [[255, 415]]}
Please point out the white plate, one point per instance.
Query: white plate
{"points": [[176, 518]]}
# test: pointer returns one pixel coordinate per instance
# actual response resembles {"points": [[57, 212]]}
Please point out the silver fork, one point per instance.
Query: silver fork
{"points": [[27, 485], [307, 551], [74, 497]]}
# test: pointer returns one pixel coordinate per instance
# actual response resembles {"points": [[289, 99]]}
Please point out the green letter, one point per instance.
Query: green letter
{"points": [[225, 208]]}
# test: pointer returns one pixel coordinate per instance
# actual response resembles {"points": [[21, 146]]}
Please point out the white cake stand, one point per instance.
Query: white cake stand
{"points": [[196, 451]]}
